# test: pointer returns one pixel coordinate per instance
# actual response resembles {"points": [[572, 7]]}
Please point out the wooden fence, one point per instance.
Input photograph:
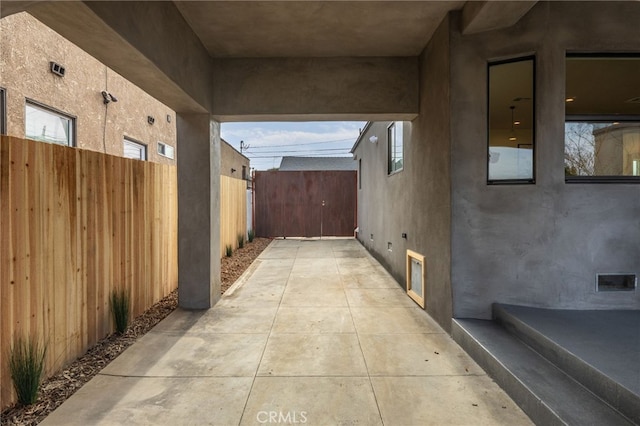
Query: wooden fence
{"points": [[74, 225], [233, 211]]}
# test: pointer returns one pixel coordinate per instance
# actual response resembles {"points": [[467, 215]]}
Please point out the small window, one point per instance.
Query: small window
{"points": [[166, 150], [395, 147], [511, 122], [135, 150], [360, 173], [48, 125], [602, 119], [3, 111]]}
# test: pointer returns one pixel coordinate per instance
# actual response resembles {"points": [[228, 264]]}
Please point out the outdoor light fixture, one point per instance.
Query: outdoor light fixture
{"points": [[108, 97], [512, 136], [373, 139], [233, 170]]}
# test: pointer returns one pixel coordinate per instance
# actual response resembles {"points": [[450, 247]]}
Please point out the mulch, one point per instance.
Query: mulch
{"points": [[56, 389]]}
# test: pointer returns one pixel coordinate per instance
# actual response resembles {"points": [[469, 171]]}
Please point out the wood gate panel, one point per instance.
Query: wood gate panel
{"points": [[290, 204]]}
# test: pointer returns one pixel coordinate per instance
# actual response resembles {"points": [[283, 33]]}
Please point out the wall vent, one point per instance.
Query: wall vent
{"points": [[57, 69], [616, 282]]}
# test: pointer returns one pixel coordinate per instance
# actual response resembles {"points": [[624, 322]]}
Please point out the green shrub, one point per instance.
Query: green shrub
{"points": [[26, 363], [120, 309], [240, 240], [229, 250], [252, 235]]}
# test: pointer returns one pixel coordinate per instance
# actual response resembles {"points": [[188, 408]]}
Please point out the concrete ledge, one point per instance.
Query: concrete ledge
{"points": [[546, 394], [604, 386]]}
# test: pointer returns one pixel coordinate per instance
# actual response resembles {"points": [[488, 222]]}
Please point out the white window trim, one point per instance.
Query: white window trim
{"points": [[127, 140], [51, 110], [162, 150]]}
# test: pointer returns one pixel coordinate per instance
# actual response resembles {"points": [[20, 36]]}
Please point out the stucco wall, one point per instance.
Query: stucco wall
{"points": [[26, 48], [415, 200], [232, 159], [539, 244]]}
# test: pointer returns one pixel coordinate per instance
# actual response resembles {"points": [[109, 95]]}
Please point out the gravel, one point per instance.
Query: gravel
{"points": [[55, 390]]}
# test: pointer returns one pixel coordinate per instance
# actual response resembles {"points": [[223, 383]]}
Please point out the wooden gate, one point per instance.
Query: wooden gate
{"points": [[305, 203]]}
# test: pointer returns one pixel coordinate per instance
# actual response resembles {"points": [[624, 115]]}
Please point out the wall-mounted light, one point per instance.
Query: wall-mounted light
{"points": [[233, 170], [150, 119], [373, 139], [108, 97]]}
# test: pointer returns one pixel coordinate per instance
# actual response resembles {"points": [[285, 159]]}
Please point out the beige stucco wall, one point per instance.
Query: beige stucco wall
{"points": [[26, 48], [232, 159]]}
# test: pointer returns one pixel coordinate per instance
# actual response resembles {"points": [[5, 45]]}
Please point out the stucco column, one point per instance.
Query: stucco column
{"points": [[198, 211]]}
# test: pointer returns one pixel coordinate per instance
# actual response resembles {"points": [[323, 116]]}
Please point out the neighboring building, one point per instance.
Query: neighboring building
{"points": [[233, 163], [53, 91], [292, 164]]}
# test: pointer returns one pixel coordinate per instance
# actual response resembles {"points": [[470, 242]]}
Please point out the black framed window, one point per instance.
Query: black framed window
{"points": [[602, 118], [395, 147], [511, 121], [3, 111]]}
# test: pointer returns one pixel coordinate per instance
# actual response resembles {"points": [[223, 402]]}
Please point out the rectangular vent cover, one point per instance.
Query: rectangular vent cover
{"points": [[57, 69], [616, 282]]}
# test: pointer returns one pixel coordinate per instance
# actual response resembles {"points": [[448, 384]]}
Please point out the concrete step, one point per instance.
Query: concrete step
{"points": [[545, 393], [513, 319]]}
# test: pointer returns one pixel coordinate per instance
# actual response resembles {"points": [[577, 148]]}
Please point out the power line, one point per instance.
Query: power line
{"points": [[337, 155], [300, 144], [345, 150]]}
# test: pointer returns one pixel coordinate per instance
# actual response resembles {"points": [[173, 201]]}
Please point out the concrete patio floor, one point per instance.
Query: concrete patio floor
{"points": [[315, 332]]}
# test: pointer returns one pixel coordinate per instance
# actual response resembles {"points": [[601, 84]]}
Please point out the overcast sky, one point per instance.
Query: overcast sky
{"points": [[268, 142]]}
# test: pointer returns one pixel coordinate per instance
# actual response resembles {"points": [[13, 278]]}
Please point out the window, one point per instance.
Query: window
{"points": [[3, 111], [166, 150], [602, 119], [511, 121], [360, 173], [395, 147], [133, 149], [48, 125]]}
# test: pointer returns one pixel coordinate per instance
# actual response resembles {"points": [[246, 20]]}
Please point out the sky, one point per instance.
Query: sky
{"points": [[268, 142]]}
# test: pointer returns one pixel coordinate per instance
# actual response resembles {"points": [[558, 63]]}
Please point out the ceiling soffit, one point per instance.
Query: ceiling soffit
{"points": [[315, 28]]}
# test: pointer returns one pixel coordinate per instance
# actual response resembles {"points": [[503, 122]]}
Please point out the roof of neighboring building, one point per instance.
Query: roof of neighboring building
{"points": [[360, 136], [317, 163]]}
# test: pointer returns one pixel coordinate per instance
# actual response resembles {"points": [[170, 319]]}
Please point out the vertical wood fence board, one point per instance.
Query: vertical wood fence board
{"points": [[233, 211], [74, 225]]}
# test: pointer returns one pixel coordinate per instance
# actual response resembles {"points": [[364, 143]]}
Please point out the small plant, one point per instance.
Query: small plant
{"points": [[229, 250], [240, 240], [26, 363], [120, 309], [251, 235]]}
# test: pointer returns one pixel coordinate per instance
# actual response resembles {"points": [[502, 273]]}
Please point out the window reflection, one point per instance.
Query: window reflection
{"points": [[511, 122], [48, 126], [602, 109]]}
